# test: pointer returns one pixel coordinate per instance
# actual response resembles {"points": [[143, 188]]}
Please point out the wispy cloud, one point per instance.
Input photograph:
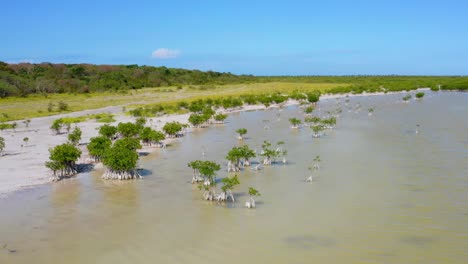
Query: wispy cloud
{"points": [[164, 53]]}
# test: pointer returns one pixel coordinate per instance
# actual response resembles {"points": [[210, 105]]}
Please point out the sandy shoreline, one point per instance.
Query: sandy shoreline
{"points": [[22, 165]]}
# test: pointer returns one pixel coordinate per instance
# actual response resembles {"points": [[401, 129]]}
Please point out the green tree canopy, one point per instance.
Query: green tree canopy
{"points": [[172, 128], [108, 131], [75, 136], [120, 157], [63, 158], [128, 129], [151, 136], [98, 146]]}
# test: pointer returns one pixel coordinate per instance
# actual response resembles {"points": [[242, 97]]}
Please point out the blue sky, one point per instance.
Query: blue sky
{"points": [[251, 37]]}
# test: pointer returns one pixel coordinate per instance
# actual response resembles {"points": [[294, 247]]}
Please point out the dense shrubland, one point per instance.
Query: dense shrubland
{"points": [[44, 78]]}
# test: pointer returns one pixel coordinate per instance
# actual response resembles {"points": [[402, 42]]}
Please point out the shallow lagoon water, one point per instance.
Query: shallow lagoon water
{"points": [[384, 194]]}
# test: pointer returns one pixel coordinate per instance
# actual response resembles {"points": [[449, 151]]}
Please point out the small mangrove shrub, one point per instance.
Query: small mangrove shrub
{"points": [[252, 194], [121, 160], [419, 95], [98, 146], [63, 160], [75, 136]]}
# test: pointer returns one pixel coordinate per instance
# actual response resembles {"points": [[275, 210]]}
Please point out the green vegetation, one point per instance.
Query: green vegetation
{"points": [[98, 146], [5, 126], [57, 126], [108, 131], [241, 132], [75, 136], [62, 106], [270, 153], [121, 160], [331, 121], [317, 129], [309, 109], [45, 78], [407, 97], [239, 157], [102, 118], [198, 120], [419, 95], [128, 129], [220, 117], [26, 140], [172, 128], [32, 90], [62, 160], [228, 186], [252, 193], [2, 145], [150, 136], [204, 173], [295, 122], [313, 97]]}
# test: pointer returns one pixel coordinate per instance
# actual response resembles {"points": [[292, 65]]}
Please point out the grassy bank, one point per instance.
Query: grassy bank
{"points": [[17, 108], [37, 105]]}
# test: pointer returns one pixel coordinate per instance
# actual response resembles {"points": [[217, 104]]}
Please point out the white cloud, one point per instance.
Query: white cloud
{"points": [[163, 53]]}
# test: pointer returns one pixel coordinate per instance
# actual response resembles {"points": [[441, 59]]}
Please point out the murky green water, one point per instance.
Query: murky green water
{"points": [[384, 194]]}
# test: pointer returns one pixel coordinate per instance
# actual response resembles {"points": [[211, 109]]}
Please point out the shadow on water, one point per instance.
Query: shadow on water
{"points": [[145, 172], [85, 167]]}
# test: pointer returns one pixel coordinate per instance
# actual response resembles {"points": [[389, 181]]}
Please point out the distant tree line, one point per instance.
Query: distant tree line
{"points": [[376, 83], [44, 78], [25, 78]]}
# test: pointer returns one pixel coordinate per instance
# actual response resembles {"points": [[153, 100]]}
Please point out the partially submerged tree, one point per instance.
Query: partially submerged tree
{"points": [[312, 119], [195, 165], [98, 146], [309, 109], [121, 160], [172, 128], [150, 136], [238, 157], [75, 136], [270, 154], [419, 95], [198, 120], [317, 161], [281, 152], [295, 123], [313, 97], [219, 118], [252, 193], [317, 130], [26, 140], [204, 174], [328, 122], [63, 160], [241, 132], [228, 186]]}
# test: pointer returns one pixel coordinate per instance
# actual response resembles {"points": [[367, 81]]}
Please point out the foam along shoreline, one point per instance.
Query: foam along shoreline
{"points": [[22, 164]]}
